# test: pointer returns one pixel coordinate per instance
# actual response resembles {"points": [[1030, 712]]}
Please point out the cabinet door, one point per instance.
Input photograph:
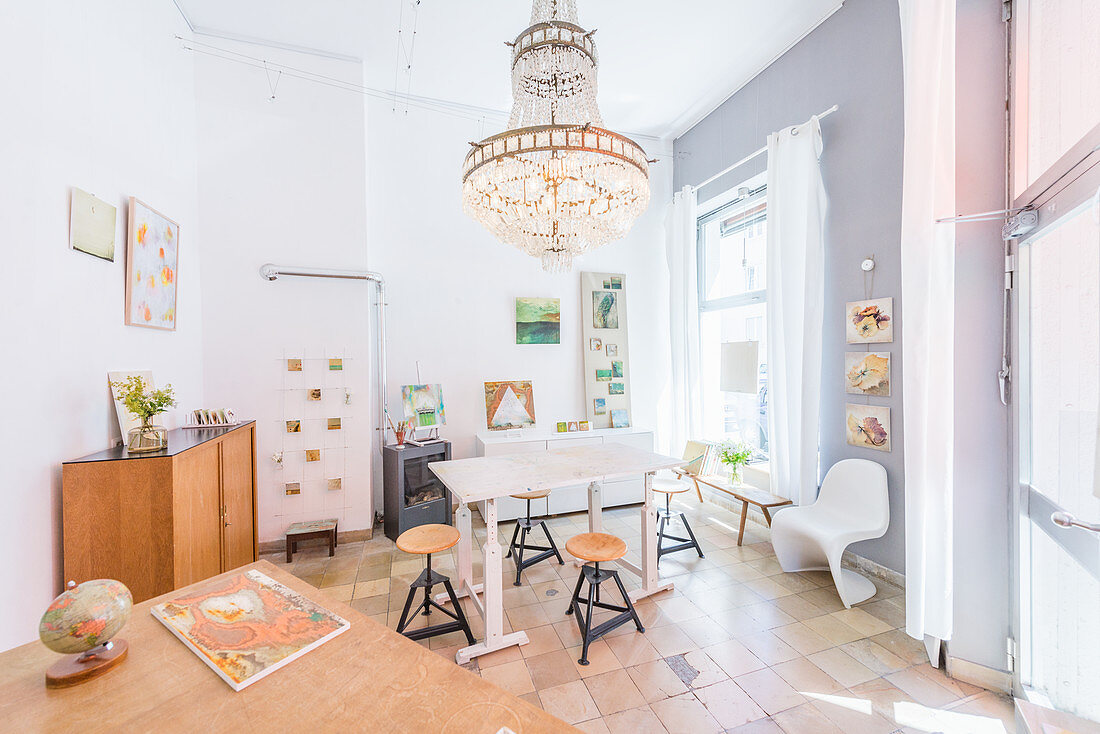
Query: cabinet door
{"points": [[197, 515], [238, 546]]}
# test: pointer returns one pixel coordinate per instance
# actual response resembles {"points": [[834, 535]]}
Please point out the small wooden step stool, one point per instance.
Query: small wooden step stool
{"points": [[312, 530]]}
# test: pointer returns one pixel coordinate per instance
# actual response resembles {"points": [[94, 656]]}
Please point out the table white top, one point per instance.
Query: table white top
{"points": [[490, 477]]}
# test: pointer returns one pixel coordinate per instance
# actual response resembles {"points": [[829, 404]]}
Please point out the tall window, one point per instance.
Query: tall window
{"points": [[732, 242]]}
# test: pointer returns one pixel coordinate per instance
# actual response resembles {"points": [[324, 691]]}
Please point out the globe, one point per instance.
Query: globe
{"points": [[85, 615]]}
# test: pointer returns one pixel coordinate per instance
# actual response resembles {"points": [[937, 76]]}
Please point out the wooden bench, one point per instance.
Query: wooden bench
{"points": [[743, 493], [315, 529]]}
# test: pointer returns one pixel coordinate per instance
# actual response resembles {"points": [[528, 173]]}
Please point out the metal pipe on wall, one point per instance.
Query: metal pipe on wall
{"points": [[273, 272]]}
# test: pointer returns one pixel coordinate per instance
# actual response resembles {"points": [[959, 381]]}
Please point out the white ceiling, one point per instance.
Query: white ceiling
{"points": [[663, 65]]}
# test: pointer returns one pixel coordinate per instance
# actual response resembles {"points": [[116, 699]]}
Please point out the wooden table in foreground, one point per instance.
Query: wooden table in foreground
{"points": [[744, 494], [367, 679], [488, 478]]}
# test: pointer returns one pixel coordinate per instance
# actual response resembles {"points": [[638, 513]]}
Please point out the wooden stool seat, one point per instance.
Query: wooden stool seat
{"points": [[534, 494], [596, 547], [670, 486], [425, 539]]}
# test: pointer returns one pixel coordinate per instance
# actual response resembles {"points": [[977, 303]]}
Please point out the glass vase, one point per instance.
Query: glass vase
{"points": [[146, 437]]}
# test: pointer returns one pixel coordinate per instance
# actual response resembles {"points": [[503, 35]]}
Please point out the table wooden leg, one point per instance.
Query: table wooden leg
{"points": [[651, 583], [464, 564], [744, 516], [697, 490], [495, 639], [767, 516], [595, 508]]}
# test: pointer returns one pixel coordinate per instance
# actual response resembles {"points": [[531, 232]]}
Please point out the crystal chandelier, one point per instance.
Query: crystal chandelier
{"points": [[556, 183]]}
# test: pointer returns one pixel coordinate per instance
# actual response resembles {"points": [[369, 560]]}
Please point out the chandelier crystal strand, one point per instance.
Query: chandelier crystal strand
{"points": [[555, 184]]}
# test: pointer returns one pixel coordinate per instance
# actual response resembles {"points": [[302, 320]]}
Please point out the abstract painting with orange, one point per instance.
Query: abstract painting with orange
{"points": [[152, 259], [248, 625]]}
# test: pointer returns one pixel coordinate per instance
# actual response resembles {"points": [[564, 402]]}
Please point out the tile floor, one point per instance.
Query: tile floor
{"points": [[736, 646]]}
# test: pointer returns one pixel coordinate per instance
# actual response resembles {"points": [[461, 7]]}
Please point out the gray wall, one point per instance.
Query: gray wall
{"points": [[983, 575], [853, 59]]}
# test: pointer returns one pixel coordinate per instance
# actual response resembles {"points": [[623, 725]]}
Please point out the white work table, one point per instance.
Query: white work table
{"points": [[488, 478]]}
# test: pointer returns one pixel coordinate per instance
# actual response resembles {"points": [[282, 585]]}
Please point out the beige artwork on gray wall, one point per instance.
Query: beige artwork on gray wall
{"points": [[92, 224]]}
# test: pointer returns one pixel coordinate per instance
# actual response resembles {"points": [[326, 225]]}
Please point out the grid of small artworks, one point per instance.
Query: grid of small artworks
{"points": [[316, 413]]}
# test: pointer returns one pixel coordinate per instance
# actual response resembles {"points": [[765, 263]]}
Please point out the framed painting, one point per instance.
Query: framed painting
{"points": [[509, 404], [423, 404], [868, 426], [870, 322], [605, 310], [152, 261], [538, 321], [92, 225], [867, 373]]}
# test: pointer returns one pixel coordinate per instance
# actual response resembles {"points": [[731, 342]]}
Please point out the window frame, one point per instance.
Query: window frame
{"points": [[760, 295]]}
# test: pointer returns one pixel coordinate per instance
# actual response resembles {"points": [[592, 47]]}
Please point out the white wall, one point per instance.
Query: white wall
{"points": [[284, 181], [98, 96], [451, 285]]}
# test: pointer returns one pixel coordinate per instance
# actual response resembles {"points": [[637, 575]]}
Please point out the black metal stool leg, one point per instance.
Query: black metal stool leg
{"points": [[519, 554], [588, 622], [403, 622], [512, 545], [698, 548], [629, 604], [428, 589], [576, 593], [553, 545]]}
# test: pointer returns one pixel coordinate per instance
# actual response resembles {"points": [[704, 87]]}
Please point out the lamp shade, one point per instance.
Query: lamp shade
{"points": [[740, 366]]}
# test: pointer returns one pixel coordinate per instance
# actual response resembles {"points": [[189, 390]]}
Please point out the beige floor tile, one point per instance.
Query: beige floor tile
{"points": [[641, 720], [613, 692], [768, 588], [798, 608], [824, 597], [922, 689], [807, 678], [670, 640], [852, 715], [684, 714], [372, 588], [887, 611], [679, 609], [833, 630], [513, 677], [905, 647], [734, 658], [570, 702], [696, 669], [339, 593], [527, 617], [805, 719], [862, 622], [761, 726], [842, 667], [500, 657], [802, 638], [552, 669], [704, 631], [768, 614], [874, 656], [769, 648], [633, 649], [992, 706], [593, 726], [656, 680], [769, 691], [729, 704], [540, 641], [961, 689], [600, 659]]}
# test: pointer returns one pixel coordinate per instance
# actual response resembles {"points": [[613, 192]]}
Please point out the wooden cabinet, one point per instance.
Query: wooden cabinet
{"points": [[162, 520]]}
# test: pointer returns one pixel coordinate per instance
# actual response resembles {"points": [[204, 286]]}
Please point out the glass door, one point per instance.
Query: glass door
{"points": [[1060, 393]]}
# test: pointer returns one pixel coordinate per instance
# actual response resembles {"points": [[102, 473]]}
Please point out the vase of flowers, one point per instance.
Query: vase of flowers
{"points": [[735, 456], [145, 405]]}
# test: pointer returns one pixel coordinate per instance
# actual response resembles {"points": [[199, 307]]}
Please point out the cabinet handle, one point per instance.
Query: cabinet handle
{"points": [[225, 516]]}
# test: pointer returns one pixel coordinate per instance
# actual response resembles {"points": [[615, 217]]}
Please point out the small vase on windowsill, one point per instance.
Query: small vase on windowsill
{"points": [[146, 437]]}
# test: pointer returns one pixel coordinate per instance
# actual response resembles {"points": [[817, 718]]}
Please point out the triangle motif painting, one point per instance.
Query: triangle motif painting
{"points": [[509, 404]]}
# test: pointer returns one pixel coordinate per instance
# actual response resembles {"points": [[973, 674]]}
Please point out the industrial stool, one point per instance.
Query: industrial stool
{"points": [[597, 548], [426, 540], [524, 526], [669, 488]]}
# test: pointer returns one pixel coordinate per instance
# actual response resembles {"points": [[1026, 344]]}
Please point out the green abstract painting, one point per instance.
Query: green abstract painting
{"points": [[538, 321], [605, 310]]}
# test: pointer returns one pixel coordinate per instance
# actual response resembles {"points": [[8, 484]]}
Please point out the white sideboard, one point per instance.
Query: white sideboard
{"points": [[566, 499]]}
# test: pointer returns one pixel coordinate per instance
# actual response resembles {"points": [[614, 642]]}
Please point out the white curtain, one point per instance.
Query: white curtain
{"points": [[685, 414], [927, 296], [796, 295]]}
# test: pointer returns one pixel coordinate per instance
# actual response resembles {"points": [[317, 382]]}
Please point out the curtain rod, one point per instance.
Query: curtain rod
{"points": [[752, 155]]}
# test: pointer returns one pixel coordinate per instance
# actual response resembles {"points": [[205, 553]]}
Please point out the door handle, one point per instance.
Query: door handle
{"points": [[1066, 520]]}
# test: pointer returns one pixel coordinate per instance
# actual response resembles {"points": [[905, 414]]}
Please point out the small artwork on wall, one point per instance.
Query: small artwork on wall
{"points": [[595, 344], [538, 321], [599, 406], [585, 425], [617, 369], [612, 350], [293, 426], [314, 393], [616, 283], [574, 426], [868, 426], [152, 257], [293, 488], [867, 373], [870, 322], [336, 365], [616, 388], [605, 310], [92, 225], [563, 427], [335, 483], [509, 404], [334, 424], [607, 283], [313, 454], [620, 418], [294, 365], [603, 375]]}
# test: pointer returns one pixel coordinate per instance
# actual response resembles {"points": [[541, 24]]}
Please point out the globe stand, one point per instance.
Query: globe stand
{"points": [[72, 670]]}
